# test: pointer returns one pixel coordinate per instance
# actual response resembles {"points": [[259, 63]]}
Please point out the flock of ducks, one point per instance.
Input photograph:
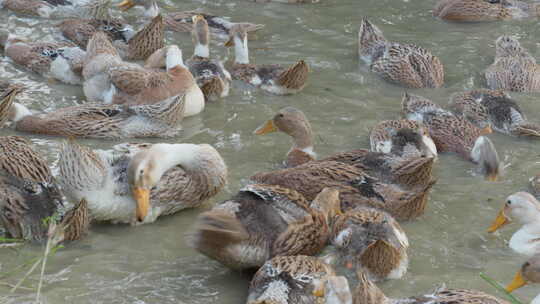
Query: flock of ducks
{"points": [[353, 201]]}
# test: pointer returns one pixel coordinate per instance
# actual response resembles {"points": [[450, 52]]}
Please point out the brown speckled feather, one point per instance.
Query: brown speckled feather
{"points": [[81, 30], [471, 10], [26, 7], [36, 56], [148, 40], [19, 159]]}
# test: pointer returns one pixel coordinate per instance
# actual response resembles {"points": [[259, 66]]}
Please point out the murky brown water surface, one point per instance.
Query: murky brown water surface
{"points": [[153, 263]]}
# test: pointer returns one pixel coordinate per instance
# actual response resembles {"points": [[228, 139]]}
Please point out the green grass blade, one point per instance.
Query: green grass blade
{"points": [[500, 288]]}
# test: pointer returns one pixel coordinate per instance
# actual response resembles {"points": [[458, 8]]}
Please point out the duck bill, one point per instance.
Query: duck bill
{"points": [[267, 127], [142, 197], [492, 177], [318, 289], [229, 42], [518, 282], [500, 221], [126, 4]]}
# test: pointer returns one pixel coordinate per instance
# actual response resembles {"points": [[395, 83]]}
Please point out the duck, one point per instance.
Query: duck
{"points": [[109, 79], [372, 240], [529, 273], [212, 77], [454, 134], [367, 292], [412, 171], [483, 10], [95, 120], [80, 30], [496, 109], [29, 195], [292, 279], [514, 69], [271, 78], [59, 60], [357, 188], [137, 183], [8, 107], [407, 65], [56, 8], [524, 207], [402, 137], [183, 21], [263, 221]]}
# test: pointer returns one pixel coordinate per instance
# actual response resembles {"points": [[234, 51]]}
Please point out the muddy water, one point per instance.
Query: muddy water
{"points": [[154, 264]]}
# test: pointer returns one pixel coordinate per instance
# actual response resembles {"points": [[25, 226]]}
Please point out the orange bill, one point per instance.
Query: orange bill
{"points": [[518, 282], [142, 197], [318, 290], [492, 177], [500, 221], [267, 127]]}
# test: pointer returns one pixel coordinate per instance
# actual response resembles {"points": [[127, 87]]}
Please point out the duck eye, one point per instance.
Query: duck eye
{"points": [[509, 202], [281, 115]]}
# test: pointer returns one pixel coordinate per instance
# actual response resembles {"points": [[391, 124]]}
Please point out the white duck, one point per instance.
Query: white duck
{"points": [[139, 182], [525, 208]]}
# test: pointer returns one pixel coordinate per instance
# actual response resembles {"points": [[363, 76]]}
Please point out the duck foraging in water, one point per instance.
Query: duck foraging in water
{"points": [[404, 64], [271, 78], [484, 10]]}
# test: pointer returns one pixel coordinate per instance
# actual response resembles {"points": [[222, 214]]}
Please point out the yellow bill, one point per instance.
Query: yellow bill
{"points": [[267, 127], [126, 4], [142, 197], [500, 221], [492, 177], [318, 290], [518, 282]]}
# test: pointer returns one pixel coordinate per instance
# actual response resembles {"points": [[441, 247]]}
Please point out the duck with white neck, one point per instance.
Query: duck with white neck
{"points": [[137, 183], [182, 21], [529, 273], [213, 79], [272, 78], [526, 209]]}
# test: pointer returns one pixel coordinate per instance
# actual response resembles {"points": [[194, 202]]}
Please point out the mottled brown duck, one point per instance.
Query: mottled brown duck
{"points": [[29, 195], [272, 78], [56, 8], [139, 182], [79, 30], [183, 21], [484, 10], [494, 108], [295, 279], [211, 76], [60, 60], [454, 134], [401, 167], [514, 68], [264, 221], [402, 138], [371, 240], [357, 188], [534, 183], [529, 273], [404, 64]]}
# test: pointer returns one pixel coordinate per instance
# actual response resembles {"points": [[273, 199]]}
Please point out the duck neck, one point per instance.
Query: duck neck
{"points": [[174, 58], [241, 51], [201, 39], [303, 140], [151, 9]]}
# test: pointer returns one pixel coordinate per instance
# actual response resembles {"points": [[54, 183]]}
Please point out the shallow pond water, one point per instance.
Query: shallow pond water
{"points": [[154, 264]]}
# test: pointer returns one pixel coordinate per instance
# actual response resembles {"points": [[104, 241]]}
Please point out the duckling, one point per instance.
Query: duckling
{"points": [[137, 183], [529, 273], [483, 10], [404, 64], [454, 134], [526, 209], [29, 195], [183, 21], [213, 79], [356, 187], [402, 138], [271, 78], [264, 221], [496, 109], [514, 68], [366, 292], [372, 240], [293, 279], [412, 171], [60, 60]]}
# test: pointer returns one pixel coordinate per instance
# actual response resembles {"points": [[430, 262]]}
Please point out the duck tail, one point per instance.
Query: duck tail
{"points": [[485, 154], [213, 88], [417, 202], [527, 129], [369, 38], [215, 231], [76, 222], [148, 40], [295, 77], [416, 171]]}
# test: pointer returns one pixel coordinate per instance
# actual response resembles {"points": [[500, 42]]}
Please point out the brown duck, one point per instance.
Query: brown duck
{"points": [[264, 221], [484, 10]]}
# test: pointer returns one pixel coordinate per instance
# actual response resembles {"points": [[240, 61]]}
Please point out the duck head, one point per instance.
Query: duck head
{"points": [[508, 46], [151, 8], [529, 273], [520, 205]]}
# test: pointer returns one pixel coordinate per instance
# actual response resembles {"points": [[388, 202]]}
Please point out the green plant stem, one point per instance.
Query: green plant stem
{"points": [[500, 288]]}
